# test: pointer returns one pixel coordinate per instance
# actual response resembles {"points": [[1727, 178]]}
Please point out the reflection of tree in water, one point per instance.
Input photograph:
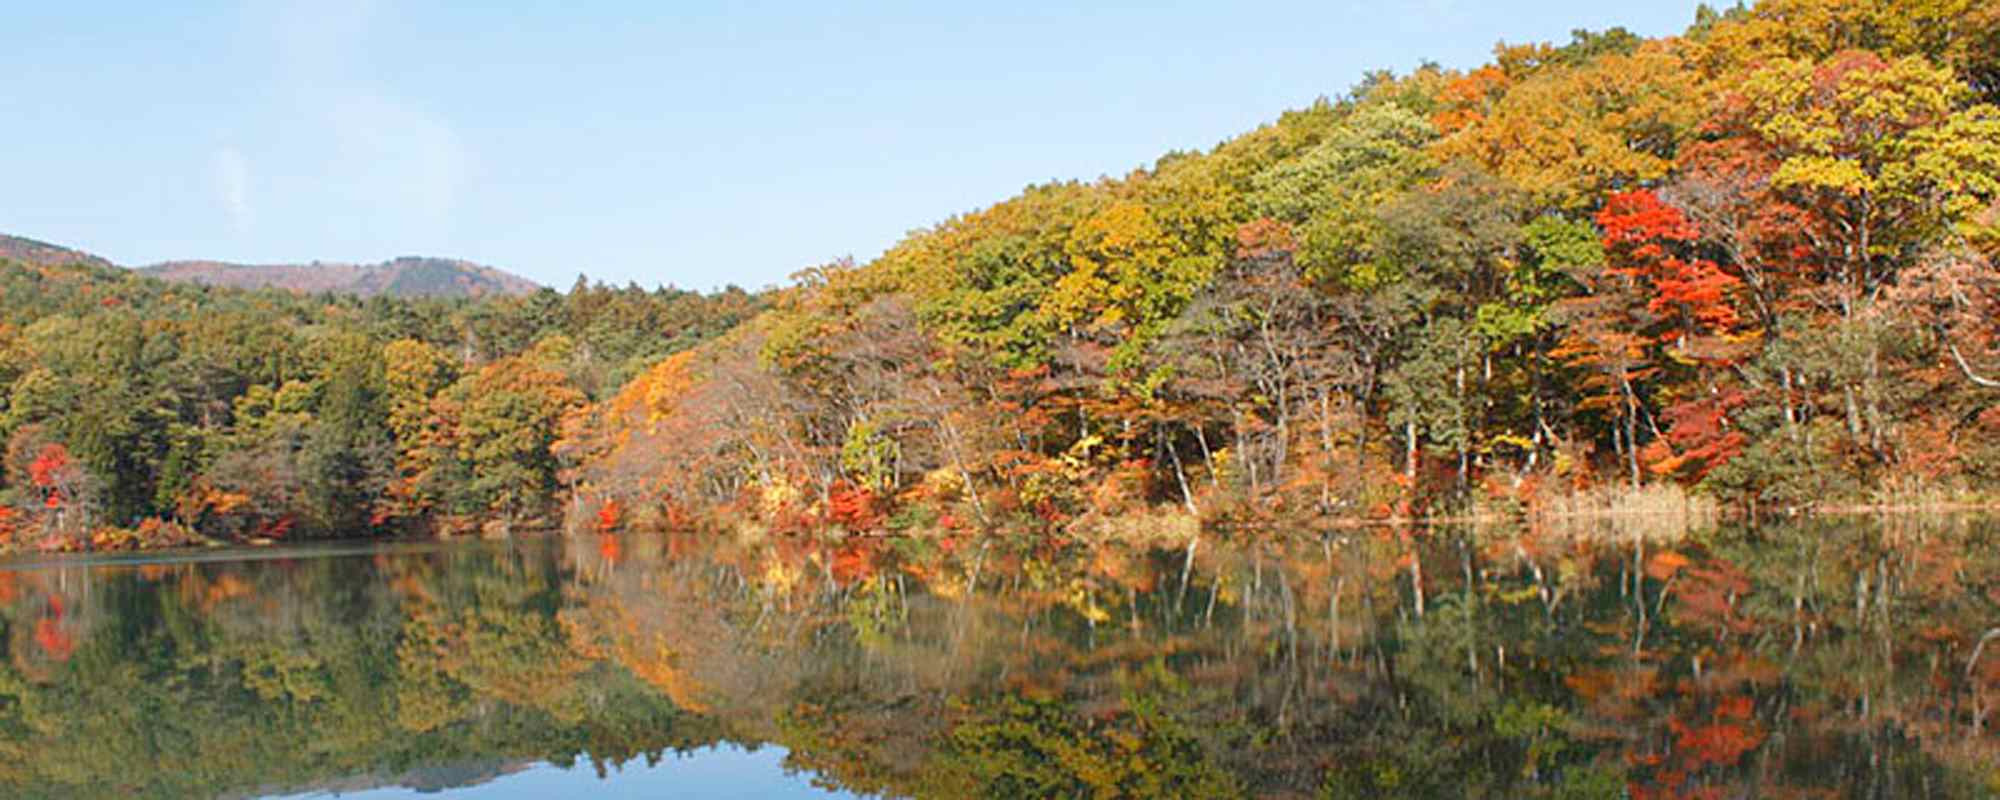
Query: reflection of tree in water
{"points": [[1823, 657]]}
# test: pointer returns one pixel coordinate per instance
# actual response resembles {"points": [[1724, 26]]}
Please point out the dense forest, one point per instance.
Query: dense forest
{"points": [[139, 412], [1754, 262]]}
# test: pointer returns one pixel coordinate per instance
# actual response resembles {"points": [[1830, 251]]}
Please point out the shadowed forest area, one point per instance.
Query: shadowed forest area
{"points": [[142, 413], [1746, 268]]}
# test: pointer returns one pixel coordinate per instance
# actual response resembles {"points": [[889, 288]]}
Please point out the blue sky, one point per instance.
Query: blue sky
{"points": [[662, 143]]}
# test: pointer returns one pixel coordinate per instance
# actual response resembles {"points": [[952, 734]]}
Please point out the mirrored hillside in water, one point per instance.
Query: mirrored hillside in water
{"points": [[1837, 658]]}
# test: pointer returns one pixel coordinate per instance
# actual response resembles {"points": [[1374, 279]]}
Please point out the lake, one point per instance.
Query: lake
{"points": [[1838, 657]]}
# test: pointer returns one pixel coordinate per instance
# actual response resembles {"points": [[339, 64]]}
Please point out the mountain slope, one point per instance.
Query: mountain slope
{"points": [[408, 276], [1596, 264], [42, 254]]}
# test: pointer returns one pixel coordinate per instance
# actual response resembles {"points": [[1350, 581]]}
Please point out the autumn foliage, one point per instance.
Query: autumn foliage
{"points": [[1752, 259], [1755, 258]]}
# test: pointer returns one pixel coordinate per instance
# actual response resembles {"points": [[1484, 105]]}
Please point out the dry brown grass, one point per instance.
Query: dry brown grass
{"points": [[1651, 500], [1916, 495], [1165, 526]]}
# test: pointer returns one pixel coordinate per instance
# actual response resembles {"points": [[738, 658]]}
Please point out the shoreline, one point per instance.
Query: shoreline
{"points": [[215, 551]]}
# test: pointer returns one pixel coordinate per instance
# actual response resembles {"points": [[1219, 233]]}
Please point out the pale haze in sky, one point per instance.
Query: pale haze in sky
{"points": [[661, 143]]}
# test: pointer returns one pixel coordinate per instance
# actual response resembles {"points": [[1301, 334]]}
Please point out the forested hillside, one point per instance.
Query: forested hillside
{"points": [[42, 254], [406, 277], [409, 276], [1755, 261], [137, 412]]}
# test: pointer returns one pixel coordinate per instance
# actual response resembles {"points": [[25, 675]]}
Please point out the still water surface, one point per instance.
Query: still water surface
{"points": [[1837, 658]]}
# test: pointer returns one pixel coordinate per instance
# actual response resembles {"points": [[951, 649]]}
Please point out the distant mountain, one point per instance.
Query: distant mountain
{"points": [[409, 276], [42, 254]]}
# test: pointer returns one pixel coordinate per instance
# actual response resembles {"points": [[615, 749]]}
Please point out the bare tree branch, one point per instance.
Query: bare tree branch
{"points": [[1976, 378]]}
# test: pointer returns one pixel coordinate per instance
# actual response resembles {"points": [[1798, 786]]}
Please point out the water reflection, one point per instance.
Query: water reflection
{"points": [[1830, 658], [724, 771]]}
